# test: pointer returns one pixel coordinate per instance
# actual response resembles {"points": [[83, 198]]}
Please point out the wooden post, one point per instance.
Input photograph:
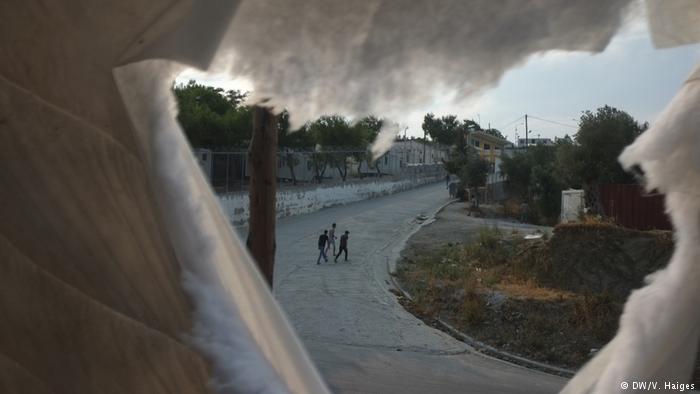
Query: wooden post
{"points": [[262, 163]]}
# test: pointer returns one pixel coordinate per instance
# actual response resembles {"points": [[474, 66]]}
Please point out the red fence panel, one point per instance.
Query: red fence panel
{"points": [[630, 206]]}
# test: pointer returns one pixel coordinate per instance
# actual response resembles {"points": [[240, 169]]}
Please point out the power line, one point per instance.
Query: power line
{"points": [[553, 122], [517, 119]]}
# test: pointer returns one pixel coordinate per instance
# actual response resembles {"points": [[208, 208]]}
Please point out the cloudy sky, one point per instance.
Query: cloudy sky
{"points": [[630, 75], [557, 86]]}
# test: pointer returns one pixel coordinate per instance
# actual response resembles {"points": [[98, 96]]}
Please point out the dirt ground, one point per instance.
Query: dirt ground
{"points": [[453, 225], [560, 310]]}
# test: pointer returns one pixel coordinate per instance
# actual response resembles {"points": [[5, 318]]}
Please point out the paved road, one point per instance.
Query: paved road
{"points": [[360, 337]]}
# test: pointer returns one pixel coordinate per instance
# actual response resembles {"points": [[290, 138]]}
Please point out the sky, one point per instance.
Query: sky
{"points": [[630, 74]]}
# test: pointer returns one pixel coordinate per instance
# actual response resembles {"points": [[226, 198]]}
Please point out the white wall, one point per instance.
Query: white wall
{"points": [[572, 205], [299, 201]]}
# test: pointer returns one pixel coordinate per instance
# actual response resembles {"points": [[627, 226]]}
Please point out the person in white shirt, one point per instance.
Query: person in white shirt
{"points": [[331, 239]]}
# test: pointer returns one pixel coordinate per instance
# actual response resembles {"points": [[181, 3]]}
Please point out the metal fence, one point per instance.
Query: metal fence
{"points": [[228, 171], [630, 206]]}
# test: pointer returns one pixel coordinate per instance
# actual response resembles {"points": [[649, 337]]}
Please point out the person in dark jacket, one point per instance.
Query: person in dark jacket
{"points": [[343, 246], [322, 240]]}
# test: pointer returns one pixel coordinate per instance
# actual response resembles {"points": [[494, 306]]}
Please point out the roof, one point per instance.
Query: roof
{"points": [[489, 137]]}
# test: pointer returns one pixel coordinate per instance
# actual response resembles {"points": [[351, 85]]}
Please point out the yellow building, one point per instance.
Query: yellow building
{"points": [[489, 146]]}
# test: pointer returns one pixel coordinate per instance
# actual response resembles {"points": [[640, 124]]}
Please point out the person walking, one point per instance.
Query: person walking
{"points": [[331, 240], [322, 240], [447, 181], [343, 246]]}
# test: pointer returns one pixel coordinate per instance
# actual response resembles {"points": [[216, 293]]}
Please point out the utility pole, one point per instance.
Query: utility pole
{"points": [[262, 161], [526, 142]]}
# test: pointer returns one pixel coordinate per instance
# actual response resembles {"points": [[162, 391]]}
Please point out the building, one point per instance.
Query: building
{"points": [[488, 145], [535, 141], [407, 155], [490, 148], [413, 151]]}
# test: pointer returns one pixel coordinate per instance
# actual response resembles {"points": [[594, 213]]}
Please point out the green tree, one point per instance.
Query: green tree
{"points": [[474, 171], [211, 117], [448, 130], [369, 127], [540, 173], [494, 132], [601, 137], [337, 138], [517, 169], [292, 142], [532, 175], [568, 165], [471, 169], [445, 130], [546, 192]]}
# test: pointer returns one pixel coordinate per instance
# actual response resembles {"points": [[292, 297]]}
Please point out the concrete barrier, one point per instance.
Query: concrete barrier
{"points": [[307, 199]]}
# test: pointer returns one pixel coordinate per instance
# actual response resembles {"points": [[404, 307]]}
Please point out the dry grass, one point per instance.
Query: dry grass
{"points": [[598, 314], [529, 289], [596, 219], [511, 207], [455, 277], [522, 296]]}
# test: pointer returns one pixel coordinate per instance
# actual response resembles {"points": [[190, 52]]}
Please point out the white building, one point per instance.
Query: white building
{"points": [[408, 155], [535, 142]]}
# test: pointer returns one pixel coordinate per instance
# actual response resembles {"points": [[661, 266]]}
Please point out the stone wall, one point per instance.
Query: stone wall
{"points": [[307, 199]]}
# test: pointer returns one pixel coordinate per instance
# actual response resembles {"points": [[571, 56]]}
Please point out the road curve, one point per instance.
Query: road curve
{"points": [[359, 336]]}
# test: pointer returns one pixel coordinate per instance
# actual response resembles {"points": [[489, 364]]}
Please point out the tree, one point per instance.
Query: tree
{"points": [[568, 165], [470, 125], [445, 130], [471, 169], [540, 173], [494, 132], [369, 127], [532, 174], [546, 190], [601, 137], [474, 172], [334, 134], [517, 169], [448, 130], [213, 118], [292, 142]]}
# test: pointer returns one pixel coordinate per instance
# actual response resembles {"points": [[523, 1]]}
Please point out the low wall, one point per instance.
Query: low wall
{"points": [[299, 201]]}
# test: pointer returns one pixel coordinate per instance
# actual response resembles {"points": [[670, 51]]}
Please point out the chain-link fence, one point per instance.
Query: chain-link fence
{"points": [[229, 172]]}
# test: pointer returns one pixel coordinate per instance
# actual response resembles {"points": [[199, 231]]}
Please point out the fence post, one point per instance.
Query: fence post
{"points": [[228, 165], [244, 162]]}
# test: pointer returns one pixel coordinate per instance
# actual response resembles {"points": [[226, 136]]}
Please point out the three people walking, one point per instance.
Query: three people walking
{"points": [[327, 239]]}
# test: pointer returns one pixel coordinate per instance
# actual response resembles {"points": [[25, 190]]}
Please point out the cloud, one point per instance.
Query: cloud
{"points": [[389, 56]]}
